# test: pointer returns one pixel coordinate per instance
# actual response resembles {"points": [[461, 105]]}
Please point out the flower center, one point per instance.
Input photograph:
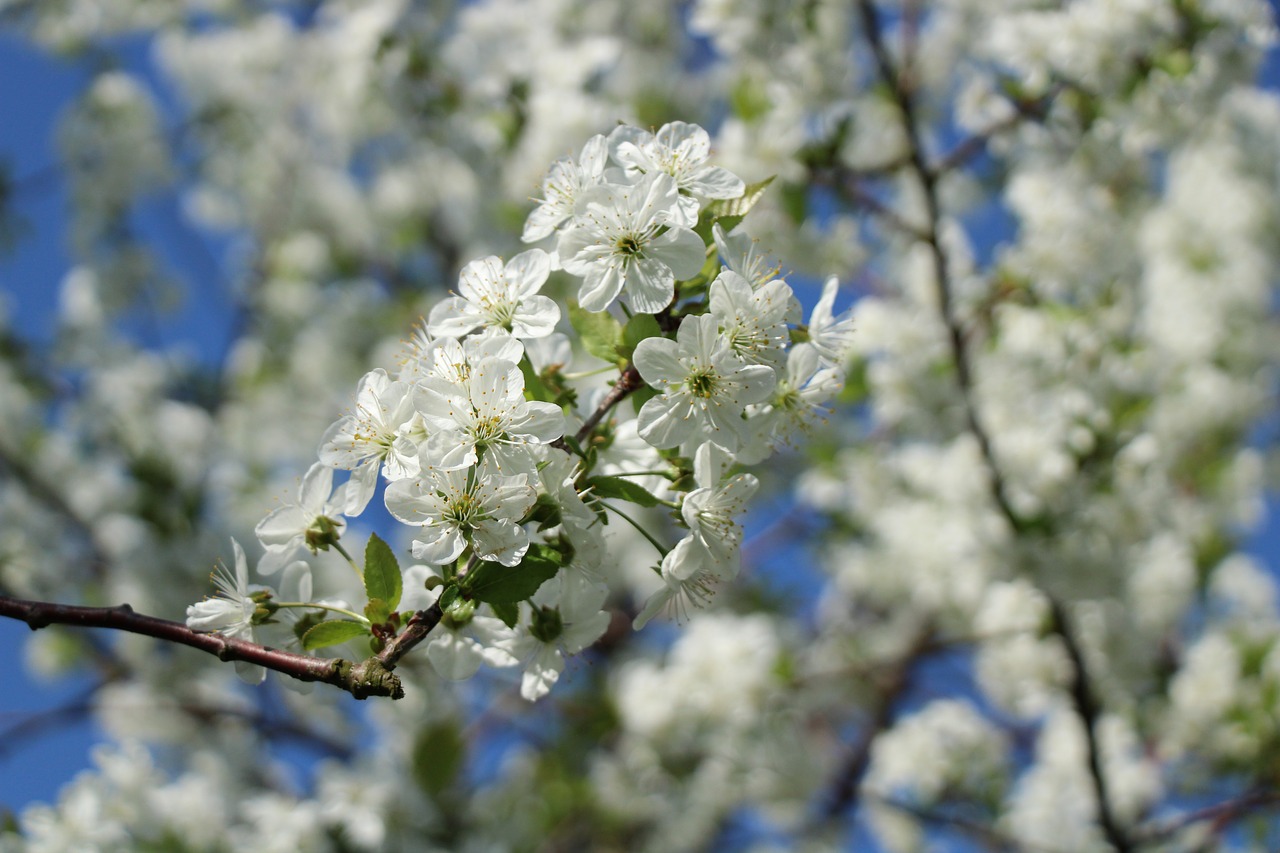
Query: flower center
{"points": [[487, 430], [789, 400], [628, 245], [462, 510], [702, 383], [501, 311]]}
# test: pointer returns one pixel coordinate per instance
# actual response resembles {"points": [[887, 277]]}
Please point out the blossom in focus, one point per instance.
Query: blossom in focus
{"points": [[563, 185], [711, 551], [704, 386], [462, 506], [831, 335], [313, 522], [625, 237], [488, 415], [230, 612], [680, 150], [495, 295], [372, 438]]}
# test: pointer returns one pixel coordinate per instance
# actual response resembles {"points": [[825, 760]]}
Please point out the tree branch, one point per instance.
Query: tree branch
{"points": [[628, 382], [419, 626], [1220, 815], [371, 677], [844, 788], [1082, 696]]}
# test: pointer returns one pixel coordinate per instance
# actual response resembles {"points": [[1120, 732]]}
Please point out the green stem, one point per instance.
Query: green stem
{"points": [[315, 606], [646, 534], [585, 373], [337, 546]]}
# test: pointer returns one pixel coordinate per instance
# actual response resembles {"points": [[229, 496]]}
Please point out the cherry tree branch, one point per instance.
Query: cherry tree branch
{"points": [[845, 785], [1082, 695], [1219, 815], [371, 677], [628, 382], [415, 631]]}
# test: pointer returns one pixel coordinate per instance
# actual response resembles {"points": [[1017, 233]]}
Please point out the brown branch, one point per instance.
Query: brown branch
{"points": [[1220, 815], [844, 788], [419, 626], [628, 382], [1082, 696], [1087, 707], [980, 832], [371, 677]]}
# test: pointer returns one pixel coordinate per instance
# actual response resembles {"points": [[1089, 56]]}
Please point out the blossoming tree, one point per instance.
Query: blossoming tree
{"points": [[936, 540]]}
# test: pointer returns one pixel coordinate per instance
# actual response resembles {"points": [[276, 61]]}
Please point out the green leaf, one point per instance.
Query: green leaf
{"points": [[639, 327], [623, 489], [534, 387], [438, 755], [571, 441], [447, 597], [377, 611], [730, 211], [495, 583], [600, 332], [332, 632], [308, 620], [508, 613], [382, 578], [740, 206]]}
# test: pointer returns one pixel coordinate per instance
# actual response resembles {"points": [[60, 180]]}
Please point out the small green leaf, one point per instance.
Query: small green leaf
{"points": [[507, 612], [332, 632], [306, 622], [447, 597], [495, 583], [382, 578], [741, 205], [534, 387], [623, 489], [438, 755], [730, 211], [571, 442], [600, 332], [639, 327], [377, 611]]}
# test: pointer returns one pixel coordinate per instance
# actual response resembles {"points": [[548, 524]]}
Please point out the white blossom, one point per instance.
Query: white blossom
{"points": [[624, 238], [495, 295], [704, 387], [461, 507]]}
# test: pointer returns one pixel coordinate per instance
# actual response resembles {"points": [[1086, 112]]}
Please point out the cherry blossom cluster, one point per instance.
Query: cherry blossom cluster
{"points": [[506, 479]]}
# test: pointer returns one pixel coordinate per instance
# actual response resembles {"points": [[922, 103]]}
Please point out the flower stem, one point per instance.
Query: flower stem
{"points": [[343, 551], [646, 534], [317, 606]]}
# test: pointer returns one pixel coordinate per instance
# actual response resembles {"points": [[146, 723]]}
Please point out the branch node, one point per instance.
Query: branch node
{"points": [[371, 677]]}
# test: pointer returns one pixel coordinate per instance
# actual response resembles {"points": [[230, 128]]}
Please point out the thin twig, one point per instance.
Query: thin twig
{"points": [[419, 626], [1220, 815], [628, 382], [371, 677], [845, 786]]}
